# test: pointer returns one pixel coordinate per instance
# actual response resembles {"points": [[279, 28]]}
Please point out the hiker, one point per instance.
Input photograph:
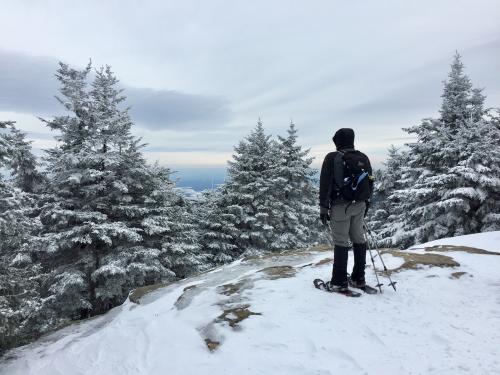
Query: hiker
{"points": [[346, 184]]}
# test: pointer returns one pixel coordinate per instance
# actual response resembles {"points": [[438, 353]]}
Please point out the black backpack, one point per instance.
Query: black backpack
{"points": [[357, 181]]}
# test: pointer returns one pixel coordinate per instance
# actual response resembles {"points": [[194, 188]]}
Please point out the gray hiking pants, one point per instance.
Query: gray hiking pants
{"points": [[346, 221]]}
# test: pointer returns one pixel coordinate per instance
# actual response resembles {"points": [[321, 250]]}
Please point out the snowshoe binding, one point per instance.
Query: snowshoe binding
{"points": [[361, 284], [328, 287]]}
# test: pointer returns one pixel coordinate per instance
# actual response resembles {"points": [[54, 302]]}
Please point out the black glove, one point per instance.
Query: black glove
{"points": [[367, 203], [324, 216]]}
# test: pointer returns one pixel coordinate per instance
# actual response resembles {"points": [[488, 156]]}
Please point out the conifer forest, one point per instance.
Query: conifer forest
{"points": [[90, 220]]}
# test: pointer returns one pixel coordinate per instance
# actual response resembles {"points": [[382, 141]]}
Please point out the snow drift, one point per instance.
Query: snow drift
{"points": [[263, 316]]}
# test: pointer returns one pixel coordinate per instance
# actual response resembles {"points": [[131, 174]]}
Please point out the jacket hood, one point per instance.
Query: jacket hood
{"points": [[344, 138]]}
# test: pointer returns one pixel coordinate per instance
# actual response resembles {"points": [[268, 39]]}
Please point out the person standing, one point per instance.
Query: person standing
{"points": [[346, 185]]}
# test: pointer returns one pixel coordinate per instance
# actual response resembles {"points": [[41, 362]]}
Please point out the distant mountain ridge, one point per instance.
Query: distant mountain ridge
{"points": [[199, 178]]}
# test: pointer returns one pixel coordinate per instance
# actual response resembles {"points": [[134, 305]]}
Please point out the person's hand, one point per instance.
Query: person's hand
{"points": [[324, 216]]}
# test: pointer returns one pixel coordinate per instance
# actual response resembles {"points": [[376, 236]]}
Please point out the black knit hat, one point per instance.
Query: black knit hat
{"points": [[344, 138]]}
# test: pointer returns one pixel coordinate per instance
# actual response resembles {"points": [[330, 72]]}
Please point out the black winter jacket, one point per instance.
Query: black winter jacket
{"points": [[332, 174]]}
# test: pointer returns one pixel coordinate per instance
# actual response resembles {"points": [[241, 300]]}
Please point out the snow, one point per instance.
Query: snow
{"points": [[190, 193], [21, 259], [487, 241], [433, 324]]}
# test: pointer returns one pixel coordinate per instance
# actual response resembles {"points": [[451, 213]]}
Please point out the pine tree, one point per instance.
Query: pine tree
{"points": [[5, 146], [450, 175], [22, 162], [17, 206], [455, 107], [390, 204], [386, 181], [268, 202], [115, 222], [490, 210], [174, 219], [218, 228], [19, 276], [248, 192], [298, 193], [474, 182], [250, 195]]}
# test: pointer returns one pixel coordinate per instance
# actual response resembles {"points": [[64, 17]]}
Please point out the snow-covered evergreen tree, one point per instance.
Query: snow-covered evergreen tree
{"points": [[251, 193], [268, 202], [386, 181], [218, 228], [17, 207], [449, 177], [390, 204], [245, 211], [5, 146], [491, 218], [115, 222], [22, 162], [20, 278], [460, 102], [475, 179], [295, 181], [174, 219]]}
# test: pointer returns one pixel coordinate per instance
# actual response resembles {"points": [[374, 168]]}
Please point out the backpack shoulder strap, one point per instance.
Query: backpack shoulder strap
{"points": [[338, 169]]}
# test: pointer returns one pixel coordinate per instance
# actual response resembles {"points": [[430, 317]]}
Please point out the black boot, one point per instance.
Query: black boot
{"points": [[358, 271], [339, 272]]}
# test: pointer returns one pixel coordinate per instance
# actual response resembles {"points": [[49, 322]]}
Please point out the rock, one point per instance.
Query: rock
{"points": [[236, 315], [414, 261], [136, 294], [458, 275], [279, 272], [212, 345]]}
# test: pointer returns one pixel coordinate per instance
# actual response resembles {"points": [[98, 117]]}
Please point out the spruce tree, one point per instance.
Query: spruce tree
{"points": [[250, 194], [22, 162], [450, 177], [20, 278], [17, 206], [390, 204], [490, 210], [115, 222], [298, 193], [5, 146], [251, 179], [268, 202], [218, 228], [457, 95]]}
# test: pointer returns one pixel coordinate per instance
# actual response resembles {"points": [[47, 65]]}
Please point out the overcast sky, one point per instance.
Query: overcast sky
{"points": [[198, 74]]}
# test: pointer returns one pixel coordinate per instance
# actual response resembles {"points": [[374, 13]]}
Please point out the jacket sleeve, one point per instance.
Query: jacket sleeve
{"points": [[326, 181], [371, 178], [370, 170]]}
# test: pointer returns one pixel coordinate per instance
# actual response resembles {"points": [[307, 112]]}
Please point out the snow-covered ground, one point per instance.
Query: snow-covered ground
{"points": [[442, 320]]}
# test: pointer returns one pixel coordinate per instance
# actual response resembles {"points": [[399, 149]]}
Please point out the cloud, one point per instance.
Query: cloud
{"points": [[372, 66], [411, 94], [418, 91], [400, 139], [28, 85], [163, 109]]}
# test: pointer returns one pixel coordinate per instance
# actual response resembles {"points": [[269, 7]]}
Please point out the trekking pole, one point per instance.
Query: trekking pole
{"points": [[328, 231], [379, 285], [374, 243]]}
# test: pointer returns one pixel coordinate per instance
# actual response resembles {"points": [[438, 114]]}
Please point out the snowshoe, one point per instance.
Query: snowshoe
{"points": [[363, 286], [328, 287]]}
